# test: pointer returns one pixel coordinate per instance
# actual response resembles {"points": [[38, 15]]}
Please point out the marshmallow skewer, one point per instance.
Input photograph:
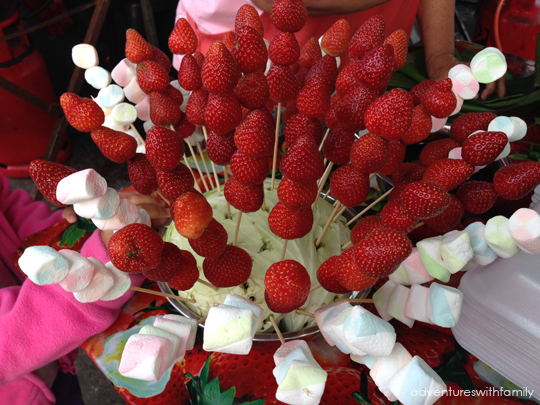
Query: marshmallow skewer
{"points": [[324, 139], [305, 313], [210, 180], [276, 140], [161, 294], [216, 178], [143, 142]]}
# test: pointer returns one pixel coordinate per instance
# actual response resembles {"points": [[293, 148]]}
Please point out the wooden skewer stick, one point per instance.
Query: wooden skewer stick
{"points": [[356, 300], [332, 215], [341, 211], [199, 149], [161, 294], [276, 328], [202, 320], [194, 156], [206, 283], [196, 184], [372, 175], [216, 177], [419, 224], [284, 249], [315, 288], [163, 197], [324, 139], [302, 312], [326, 194], [274, 161], [369, 207], [226, 173], [324, 177], [306, 391], [346, 245], [238, 220], [143, 142]]}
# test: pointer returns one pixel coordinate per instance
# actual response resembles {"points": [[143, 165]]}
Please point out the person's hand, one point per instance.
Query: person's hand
{"points": [[69, 215], [155, 208]]}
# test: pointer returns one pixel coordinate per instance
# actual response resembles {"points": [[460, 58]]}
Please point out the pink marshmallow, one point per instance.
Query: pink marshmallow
{"points": [[464, 84], [143, 109], [133, 92], [81, 271], [81, 186], [127, 213], [456, 154], [123, 73], [143, 356], [459, 104], [437, 123]]}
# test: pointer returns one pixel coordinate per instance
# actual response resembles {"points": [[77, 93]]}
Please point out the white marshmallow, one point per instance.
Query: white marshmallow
{"points": [[381, 299], [386, 367], [459, 105], [437, 123], [520, 129], [121, 283], [445, 305], [134, 92], [181, 330], [506, 151], [431, 258], [367, 360], [44, 265], [144, 218], [102, 207], [192, 324], [99, 286], [498, 237], [417, 304], [127, 213], [81, 271], [411, 271], [456, 251], [184, 92], [124, 72], [240, 302], [488, 65], [141, 149], [502, 124], [321, 313], [292, 346], [81, 186], [110, 96], [143, 109], [97, 77], [169, 360], [143, 356], [84, 56], [111, 123], [464, 84], [483, 254], [228, 330], [524, 227], [397, 304], [147, 126], [124, 113], [334, 326], [303, 384]]}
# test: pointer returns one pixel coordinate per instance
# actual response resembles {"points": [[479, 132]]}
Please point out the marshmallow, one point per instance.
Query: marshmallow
{"points": [[193, 328], [524, 227], [488, 65], [381, 298], [143, 356], [110, 96], [111, 123], [147, 126], [124, 113], [143, 109], [84, 56], [320, 315], [417, 304], [367, 360], [411, 271], [506, 151], [456, 251], [303, 384], [181, 330], [132, 133], [287, 352], [333, 325], [102, 207], [184, 92], [134, 92], [437, 124], [81, 271], [228, 330], [128, 213], [386, 367], [459, 104], [502, 124], [464, 84], [240, 302], [141, 149], [144, 218], [498, 237], [445, 305], [121, 283], [44, 265], [170, 357], [520, 129], [397, 304], [97, 77], [81, 186], [99, 286], [431, 258], [416, 383], [124, 72], [483, 254]]}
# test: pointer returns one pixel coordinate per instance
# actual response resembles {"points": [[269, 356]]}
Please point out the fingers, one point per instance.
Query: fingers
{"points": [[501, 87], [69, 215], [488, 91], [156, 212], [140, 199]]}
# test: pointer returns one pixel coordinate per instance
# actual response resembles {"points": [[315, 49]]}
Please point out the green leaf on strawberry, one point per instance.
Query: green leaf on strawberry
{"points": [[454, 370], [203, 376]]}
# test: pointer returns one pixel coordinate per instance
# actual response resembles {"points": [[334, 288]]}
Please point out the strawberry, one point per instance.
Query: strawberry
{"points": [[299, 125], [174, 94], [350, 109], [189, 74], [188, 273], [310, 53], [439, 100], [369, 36], [327, 276], [243, 197], [349, 186], [284, 49], [171, 261], [327, 65], [423, 199], [483, 148], [289, 224], [282, 83], [135, 248], [161, 59], [223, 113], [395, 195], [220, 149], [47, 175], [220, 72], [477, 196], [115, 145], [375, 68], [418, 91], [192, 214], [230, 269], [408, 173], [183, 128], [337, 146], [183, 40], [330, 119], [466, 124], [303, 162], [275, 306], [199, 57], [196, 105], [248, 15], [288, 15], [369, 153], [349, 275], [396, 154], [212, 242], [253, 137], [142, 175], [341, 385], [164, 110], [437, 150], [229, 39], [151, 77], [252, 90], [420, 127], [400, 41], [175, 183], [348, 78], [83, 114], [314, 99], [449, 218], [290, 110], [249, 50], [137, 49], [297, 196], [163, 148], [395, 217], [249, 170], [287, 282], [390, 115], [364, 227], [448, 173], [336, 40]]}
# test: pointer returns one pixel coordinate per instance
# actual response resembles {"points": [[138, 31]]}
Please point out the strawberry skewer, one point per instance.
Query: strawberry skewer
{"points": [[369, 207], [226, 173], [216, 178], [210, 180], [324, 139], [238, 220], [194, 155]]}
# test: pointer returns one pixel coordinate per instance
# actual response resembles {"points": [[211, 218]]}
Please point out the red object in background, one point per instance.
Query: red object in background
{"points": [[25, 130], [519, 26]]}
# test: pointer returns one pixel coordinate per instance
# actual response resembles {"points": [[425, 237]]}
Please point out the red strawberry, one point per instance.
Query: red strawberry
{"points": [[337, 146], [142, 175], [418, 91], [375, 68], [220, 149], [336, 40], [115, 145], [395, 217], [348, 78], [349, 186], [183, 128], [161, 59], [252, 90], [477, 196], [83, 114], [249, 50], [188, 274], [192, 214], [243, 197], [248, 170], [282, 83], [420, 127], [395, 195], [171, 262], [253, 136], [212, 242], [174, 94], [196, 106], [223, 113], [330, 119], [310, 53], [135, 248], [288, 15], [287, 282], [396, 154], [448, 173], [289, 224], [220, 72], [299, 125], [328, 276], [284, 49], [349, 275], [314, 99], [424, 200], [327, 65], [439, 100], [137, 49], [369, 153], [400, 41], [483, 148], [275, 306], [151, 77], [364, 227], [248, 15], [182, 39], [350, 109], [189, 74], [229, 39], [390, 115], [163, 148], [47, 175], [449, 218], [175, 183], [163, 109], [341, 385], [466, 124], [369, 36], [382, 252], [297, 196], [408, 173], [199, 57], [303, 162], [230, 269], [437, 150]]}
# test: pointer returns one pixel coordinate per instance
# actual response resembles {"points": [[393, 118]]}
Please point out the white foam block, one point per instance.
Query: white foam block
{"points": [[124, 72], [173, 347], [181, 330], [110, 96], [320, 315], [520, 129], [445, 305], [99, 286], [121, 283], [289, 347], [102, 207], [456, 251], [143, 356], [44, 265], [498, 237], [502, 124], [141, 149], [437, 123], [303, 384], [334, 326], [483, 254], [143, 109], [411, 271], [459, 105], [124, 113], [240, 302], [367, 360], [193, 328], [488, 65], [381, 299], [464, 84], [127, 213], [111, 123], [81, 186], [397, 304], [147, 126], [134, 92], [417, 304], [81, 271], [386, 367], [97, 77], [431, 258], [524, 227], [228, 330], [84, 56]]}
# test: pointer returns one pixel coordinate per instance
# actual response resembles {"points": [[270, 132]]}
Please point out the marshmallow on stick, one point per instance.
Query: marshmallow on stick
{"points": [[193, 328], [97, 77], [143, 356], [444, 306], [524, 227], [84, 56], [483, 254], [228, 330], [81, 271], [411, 271], [121, 283], [81, 186], [239, 302], [101, 283], [488, 65], [124, 72], [103, 207], [127, 213], [397, 303], [174, 345], [44, 265], [386, 367], [181, 330], [381, 299], [321, 313], [498, 237], [110, 96]]}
